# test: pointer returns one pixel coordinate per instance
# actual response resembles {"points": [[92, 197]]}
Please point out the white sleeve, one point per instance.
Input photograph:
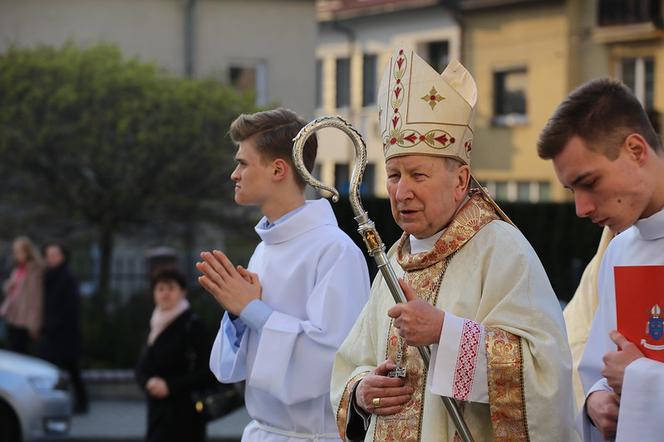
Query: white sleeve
{"points": [[642, 401], [588, 431], [295, 356], [228, 361], [458, 365]]}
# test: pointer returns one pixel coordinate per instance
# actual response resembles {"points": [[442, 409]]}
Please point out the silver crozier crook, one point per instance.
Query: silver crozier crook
{"points": [[367, 229]]}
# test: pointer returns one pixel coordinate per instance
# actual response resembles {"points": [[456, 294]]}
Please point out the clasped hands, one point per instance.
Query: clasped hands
{"points": [[418, 323], [233, 287], [157, 387], [603, 406]]}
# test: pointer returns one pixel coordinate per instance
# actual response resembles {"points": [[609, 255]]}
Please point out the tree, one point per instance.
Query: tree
{"points": [[94, 137]]}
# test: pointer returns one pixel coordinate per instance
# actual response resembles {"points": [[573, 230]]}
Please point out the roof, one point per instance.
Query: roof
{"points": [[473, 5], [343, 9]]}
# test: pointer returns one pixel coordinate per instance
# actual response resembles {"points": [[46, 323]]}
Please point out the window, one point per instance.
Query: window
{"points": [[243, 78], [317, 171], [544, 191], [250, 77], [526, 191], [437, 53], [625, 12], [368, 180], [343, 82], [310, 191], [369, 80], [319, 83], [523, 191], [639, 75], [501, 191], [510, 97], [341, 178]]}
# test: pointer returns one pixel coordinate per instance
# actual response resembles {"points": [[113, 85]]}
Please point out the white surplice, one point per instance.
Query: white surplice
{"points": [[314, 283], [642, 398]]}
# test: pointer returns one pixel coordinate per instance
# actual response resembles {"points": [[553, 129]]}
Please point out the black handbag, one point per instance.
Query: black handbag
{"points": [[213, 401], [218, 401]]}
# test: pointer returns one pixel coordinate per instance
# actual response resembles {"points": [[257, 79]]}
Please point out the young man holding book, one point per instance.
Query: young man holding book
{"points": [[606, 151]]}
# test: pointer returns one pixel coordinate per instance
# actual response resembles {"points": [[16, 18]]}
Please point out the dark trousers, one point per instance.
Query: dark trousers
{"points": [[80, 394], [70, 365], [18, 339]]}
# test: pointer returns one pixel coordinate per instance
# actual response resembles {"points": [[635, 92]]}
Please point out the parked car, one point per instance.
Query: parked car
{"points": [[34, 402]]}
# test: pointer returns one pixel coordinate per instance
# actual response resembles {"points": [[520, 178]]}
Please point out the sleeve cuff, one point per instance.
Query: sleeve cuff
{"points": [[601, 385], [358, 419], [256, 314], [458, 365]]}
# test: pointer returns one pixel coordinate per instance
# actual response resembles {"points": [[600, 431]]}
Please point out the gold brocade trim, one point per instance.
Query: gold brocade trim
{"points": [[475, 214], [424, 273], [344, 403], [406, 426], [506, 394]]}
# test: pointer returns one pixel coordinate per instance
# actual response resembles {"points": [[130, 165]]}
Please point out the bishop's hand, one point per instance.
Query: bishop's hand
{"points": [[418, 322], [379, 394], [233, 287]]}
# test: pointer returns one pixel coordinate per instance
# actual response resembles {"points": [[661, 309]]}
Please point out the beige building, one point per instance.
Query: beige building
{"points": [[265, 45], [526, 56], [519, 54]]}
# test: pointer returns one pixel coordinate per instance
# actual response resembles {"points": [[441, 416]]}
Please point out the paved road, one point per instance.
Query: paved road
{"points": [[124, 420]]}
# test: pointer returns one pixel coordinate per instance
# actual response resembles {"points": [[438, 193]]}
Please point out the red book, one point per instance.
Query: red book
{"points": [[640, 307]]}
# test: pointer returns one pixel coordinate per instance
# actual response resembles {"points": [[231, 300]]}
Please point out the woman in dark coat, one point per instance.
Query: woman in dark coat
{"points": [[174, 363]]}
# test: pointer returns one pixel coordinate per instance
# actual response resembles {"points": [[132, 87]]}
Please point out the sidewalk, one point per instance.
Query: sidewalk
{"points": [[124, 420]]}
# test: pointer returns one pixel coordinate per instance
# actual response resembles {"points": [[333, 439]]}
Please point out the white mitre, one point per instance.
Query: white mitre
{"points": [[424, 112]]}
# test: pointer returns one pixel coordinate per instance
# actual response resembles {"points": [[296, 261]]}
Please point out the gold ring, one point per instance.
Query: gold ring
{"points": [[376, 402]]}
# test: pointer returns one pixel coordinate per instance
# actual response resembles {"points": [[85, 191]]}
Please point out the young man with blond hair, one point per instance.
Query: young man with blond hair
{"points": [[304, 287]]}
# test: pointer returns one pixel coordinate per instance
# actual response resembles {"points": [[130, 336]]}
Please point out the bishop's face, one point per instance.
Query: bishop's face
{"points": [[425, 192], [612, 193], [252, 175]]}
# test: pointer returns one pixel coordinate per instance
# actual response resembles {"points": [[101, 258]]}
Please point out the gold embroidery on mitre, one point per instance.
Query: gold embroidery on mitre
{"points": [[411, 120], [433, 97]]}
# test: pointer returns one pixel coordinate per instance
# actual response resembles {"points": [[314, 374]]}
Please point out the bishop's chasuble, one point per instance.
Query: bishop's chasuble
{"points": [[503, 352]]}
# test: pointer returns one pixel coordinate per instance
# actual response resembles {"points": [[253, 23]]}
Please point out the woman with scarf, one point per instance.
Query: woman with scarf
{"points": [[174, 363]]}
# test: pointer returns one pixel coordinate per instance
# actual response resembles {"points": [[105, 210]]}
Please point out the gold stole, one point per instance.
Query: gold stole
{"points": [[424, 272]]}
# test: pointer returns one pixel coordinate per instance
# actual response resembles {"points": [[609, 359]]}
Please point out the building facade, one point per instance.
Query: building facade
{"points": [[355, 40], [263, 45], [525, 55]]}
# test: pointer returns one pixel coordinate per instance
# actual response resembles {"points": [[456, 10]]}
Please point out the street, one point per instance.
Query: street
{"points": [[124, 420]]}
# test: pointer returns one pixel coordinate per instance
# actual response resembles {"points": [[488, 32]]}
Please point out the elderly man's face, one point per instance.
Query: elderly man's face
{"points": [[425, 192]]}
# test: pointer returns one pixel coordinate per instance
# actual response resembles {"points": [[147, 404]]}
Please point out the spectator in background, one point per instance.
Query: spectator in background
{"points": [[60, 341], [174, 362], [22, 306]]}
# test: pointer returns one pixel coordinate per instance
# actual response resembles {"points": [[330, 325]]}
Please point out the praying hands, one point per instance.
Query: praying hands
{"points": [[233, 287]]}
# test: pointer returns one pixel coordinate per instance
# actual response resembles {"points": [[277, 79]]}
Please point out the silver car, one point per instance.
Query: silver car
{"points": [[33, 403]]}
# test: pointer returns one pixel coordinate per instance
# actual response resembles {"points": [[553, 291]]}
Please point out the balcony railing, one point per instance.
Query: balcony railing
{"points": [[629, 12]]}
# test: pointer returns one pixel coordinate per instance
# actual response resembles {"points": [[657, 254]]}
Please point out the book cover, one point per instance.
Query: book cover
{"points": [[639, 305]]}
